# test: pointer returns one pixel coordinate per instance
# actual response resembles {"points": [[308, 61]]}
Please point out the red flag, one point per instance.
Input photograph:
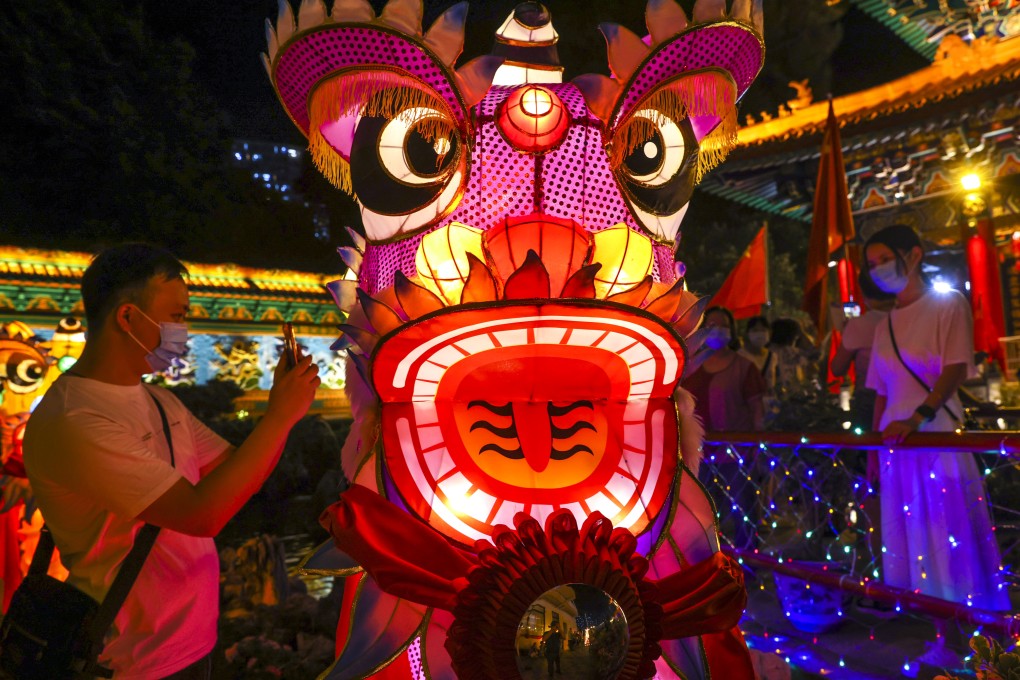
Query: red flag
{"points": [[832, 224], [986, 292], [746, 289]]}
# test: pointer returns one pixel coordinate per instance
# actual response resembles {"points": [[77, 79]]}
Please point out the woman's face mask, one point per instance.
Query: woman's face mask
{"points": [[888, 277], [718, 337], [758, 338]]}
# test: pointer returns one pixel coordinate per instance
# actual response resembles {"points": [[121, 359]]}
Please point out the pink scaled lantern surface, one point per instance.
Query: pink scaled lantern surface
{"points": [[516, 329]]}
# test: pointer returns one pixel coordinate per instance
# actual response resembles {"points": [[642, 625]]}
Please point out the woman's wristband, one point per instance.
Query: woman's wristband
{"points": [[927, 413]]}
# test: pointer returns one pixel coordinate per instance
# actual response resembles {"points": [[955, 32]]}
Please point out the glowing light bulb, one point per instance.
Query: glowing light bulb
{"points": [[536, 101]]}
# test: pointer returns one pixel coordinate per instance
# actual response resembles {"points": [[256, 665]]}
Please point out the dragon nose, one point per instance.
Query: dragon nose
{"points": [[533, 119]]}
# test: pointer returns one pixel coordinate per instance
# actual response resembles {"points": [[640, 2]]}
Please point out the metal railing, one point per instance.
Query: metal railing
{"points": [[814, 504]]}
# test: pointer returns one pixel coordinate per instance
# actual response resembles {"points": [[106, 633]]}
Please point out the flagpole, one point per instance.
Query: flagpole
{"points": [[768, 270], [849, 264]]}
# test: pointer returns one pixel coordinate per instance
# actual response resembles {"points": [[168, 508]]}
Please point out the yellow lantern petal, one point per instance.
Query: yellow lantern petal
{"points": [[625, 256], [442, 260]]}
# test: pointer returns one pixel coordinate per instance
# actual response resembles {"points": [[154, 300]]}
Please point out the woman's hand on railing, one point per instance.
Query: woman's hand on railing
{"points": [[896, 431]]}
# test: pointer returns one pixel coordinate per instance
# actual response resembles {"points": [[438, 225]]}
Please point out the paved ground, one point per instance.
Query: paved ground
{"points": [[863, 647], [575, 666]]}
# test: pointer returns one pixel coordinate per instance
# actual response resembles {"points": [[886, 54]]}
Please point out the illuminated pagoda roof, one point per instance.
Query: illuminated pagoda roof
{"points": [[224, 297], [905, 141], [922, 24]]}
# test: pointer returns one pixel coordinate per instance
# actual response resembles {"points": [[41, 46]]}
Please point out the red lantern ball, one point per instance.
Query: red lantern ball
{"points": [[533, 119]]}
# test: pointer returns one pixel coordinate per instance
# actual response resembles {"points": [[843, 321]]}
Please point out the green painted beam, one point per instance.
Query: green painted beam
{"points": [[754, 201], [899, 23]]}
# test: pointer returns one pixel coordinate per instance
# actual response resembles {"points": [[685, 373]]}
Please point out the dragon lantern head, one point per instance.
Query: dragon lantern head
{"points": [[23, 363], [24, 366], [514, 303]]}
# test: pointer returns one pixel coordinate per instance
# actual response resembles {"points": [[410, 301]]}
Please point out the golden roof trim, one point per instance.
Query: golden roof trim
{"points": [[958, 68], [224, 275]]}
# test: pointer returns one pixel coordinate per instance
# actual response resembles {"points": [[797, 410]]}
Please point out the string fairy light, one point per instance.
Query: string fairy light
{"points": [[811, 499]]}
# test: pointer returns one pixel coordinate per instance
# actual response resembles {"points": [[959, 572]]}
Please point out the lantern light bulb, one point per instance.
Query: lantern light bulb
{"points": [[971, 181], [536, 102]]}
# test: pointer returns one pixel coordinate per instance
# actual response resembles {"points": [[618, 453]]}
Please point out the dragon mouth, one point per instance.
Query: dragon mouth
{"points": [[531, 406]]}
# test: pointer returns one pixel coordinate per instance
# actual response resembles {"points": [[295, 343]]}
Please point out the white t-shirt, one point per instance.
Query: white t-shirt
{"points": [[858, 335], [933, 332], [96, 457]]}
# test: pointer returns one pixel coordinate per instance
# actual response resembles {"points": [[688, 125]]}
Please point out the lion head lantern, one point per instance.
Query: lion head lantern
{"points": [[517, 318]]}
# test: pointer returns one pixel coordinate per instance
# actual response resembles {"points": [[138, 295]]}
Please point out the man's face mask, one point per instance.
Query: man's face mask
{"points": [[173, 344]]}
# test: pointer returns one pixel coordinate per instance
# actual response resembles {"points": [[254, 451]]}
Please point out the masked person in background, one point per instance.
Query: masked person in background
{"points": [[757, 334], [937, 536], [728, 390], [101, 466], [796, 355]]}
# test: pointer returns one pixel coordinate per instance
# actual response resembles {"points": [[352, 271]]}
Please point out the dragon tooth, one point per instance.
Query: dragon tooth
{"points": [[311, 14], [352, 11], [285, 24]]}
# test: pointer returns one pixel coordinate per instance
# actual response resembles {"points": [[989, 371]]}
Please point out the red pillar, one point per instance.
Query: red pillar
{"points": [[986, 291]]}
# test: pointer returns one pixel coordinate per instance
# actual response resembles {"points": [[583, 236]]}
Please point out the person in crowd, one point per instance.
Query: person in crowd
{"points": [[101, 466], [936, 529], [553, 645], [728, 390], [757, 334], [795, 352], [855, 349]]}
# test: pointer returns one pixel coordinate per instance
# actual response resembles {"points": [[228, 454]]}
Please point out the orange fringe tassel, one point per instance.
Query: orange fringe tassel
{"points": [[705, 93], [370, 93]]}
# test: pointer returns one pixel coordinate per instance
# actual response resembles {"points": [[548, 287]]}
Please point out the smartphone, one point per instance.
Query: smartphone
{"points": [[851, 310], [289, 345]]}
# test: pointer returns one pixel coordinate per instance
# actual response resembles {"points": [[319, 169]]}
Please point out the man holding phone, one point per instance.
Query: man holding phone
{"points": [[100, 465]]}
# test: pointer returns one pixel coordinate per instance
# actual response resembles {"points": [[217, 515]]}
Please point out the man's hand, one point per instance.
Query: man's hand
{"points": [[896, 431], [203, 509], [293, 390]]}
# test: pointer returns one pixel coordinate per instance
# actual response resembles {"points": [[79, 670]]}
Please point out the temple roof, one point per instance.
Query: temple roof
{"points": [[959, 68], [47, 282], [905, 140], [922, 24]]}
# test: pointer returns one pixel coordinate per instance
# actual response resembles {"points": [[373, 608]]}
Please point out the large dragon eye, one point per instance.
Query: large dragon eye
{"points": [[406, 170], [24, 375], [418, 147], [657, 171], [659, 158]]}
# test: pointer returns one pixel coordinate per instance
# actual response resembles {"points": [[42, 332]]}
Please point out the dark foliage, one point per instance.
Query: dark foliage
{"points": [[209, 402], [293, 640], [108, 137]]}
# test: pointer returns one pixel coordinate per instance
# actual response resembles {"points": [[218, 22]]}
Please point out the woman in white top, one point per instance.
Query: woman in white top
{"points": [[936, 528], [855, 349]]}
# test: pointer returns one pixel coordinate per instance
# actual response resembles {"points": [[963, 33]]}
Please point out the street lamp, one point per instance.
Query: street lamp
{"points": [[970, 182]]}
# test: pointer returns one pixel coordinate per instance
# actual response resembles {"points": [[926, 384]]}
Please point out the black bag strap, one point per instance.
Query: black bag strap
{"points": [[43, 553], [892, 336], [132, 565], [129, 569]]}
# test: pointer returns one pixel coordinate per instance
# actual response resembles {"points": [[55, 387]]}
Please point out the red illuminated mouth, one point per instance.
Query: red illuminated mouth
{"points": [[530, 407]]}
